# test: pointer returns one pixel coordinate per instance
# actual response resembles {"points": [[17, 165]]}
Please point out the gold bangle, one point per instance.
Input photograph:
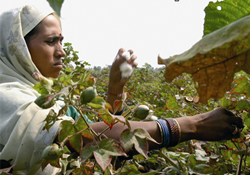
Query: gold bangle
{"points": [[179, 130], [160, 131]]}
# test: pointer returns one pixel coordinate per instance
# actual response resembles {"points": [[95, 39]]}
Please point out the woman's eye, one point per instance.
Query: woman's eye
{"points": [[50, 41]]}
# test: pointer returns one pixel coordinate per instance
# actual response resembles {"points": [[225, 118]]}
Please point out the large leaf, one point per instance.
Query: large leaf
{"points": [[137, 139], [242, 86], [103, 152], [214, 59], [220, 14], [56, 5], [52, 155], [67, 128]]}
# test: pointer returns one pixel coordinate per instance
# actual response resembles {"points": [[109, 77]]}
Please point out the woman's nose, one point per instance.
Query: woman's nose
{"points": [[59, 51]]}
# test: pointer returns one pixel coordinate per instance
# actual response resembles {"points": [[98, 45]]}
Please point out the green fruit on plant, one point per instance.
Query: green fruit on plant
{"points": [[88, 95], [40, 101], [141, 112], [51, 152], [153, 118]]}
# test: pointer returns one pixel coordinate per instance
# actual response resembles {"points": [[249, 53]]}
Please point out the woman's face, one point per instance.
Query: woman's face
{"points": [[46, 48]]}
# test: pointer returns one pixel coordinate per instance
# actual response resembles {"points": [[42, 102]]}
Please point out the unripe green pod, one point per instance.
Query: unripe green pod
{"points": [[47, 82], [51, 152], [88, 95], [40, 101], [141, 112], [153, 118]]}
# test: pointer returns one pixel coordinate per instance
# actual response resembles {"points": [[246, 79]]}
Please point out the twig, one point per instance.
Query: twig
{"points": [[96, 135], [66, 138], [239, 165]]}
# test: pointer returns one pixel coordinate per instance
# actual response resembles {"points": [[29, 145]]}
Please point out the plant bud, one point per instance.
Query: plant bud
{"points": [[141, 112], [42, 99], [51, 152], [88, 95], [153, 118], [46, 81]]}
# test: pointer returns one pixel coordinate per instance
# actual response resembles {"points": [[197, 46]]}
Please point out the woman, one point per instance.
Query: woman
{"points": [[31, 43]]}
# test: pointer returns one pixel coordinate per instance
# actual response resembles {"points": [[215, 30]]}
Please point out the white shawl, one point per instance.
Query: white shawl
{"points": [[21, 120]]}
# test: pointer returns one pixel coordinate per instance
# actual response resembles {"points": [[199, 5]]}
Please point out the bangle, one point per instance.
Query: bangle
{"points": [[165, 131], [174, 131], [161, 133], [179, 128], [116, 95], [119, 112]]}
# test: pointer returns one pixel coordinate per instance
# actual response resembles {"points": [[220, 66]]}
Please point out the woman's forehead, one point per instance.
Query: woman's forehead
{"points": [[50, 26]]}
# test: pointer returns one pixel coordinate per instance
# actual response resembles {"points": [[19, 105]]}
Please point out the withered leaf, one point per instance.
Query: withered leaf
{"points": [[214, 59]]}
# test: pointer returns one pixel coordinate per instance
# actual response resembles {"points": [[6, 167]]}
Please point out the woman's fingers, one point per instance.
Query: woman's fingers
{"points": [[120, 58], [237, 121]]}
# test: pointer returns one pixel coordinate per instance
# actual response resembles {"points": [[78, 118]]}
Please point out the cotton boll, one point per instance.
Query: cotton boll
{"points": [[126, 69], [126, 55]]}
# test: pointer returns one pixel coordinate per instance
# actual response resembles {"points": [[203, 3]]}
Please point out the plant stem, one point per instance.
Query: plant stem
{"points": [[66, 138], [86, 122]]}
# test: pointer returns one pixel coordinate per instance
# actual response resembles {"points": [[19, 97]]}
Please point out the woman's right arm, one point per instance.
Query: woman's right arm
{"points": [[211, 126]]}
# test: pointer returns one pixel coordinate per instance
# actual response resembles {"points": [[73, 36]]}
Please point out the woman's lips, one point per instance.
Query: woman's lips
{"points": [[58, 65]]}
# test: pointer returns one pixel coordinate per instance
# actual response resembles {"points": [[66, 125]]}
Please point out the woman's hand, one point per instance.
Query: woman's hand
{"points": [[116, 82], [115, 79], [215, 125]]}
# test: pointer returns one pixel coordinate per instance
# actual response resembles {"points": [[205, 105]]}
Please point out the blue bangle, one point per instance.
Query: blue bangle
{"points": [[165, 131], [119, 112]]}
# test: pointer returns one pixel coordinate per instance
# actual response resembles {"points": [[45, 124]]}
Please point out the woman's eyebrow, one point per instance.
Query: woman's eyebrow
{"points": [[56, 37]]}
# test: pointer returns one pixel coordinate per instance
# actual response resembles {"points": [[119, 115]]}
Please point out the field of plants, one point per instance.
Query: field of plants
{"points": [[190, 83], [147, 86], [180, 98]]}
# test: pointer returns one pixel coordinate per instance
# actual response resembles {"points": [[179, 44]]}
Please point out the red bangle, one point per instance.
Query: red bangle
{"points": [[174, 131], [116, 95]]}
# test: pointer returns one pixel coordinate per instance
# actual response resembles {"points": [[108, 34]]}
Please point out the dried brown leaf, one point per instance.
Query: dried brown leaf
{"points": [[214, 59]]}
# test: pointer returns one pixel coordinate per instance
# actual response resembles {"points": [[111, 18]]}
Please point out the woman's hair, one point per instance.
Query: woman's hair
{"points": [[35, 30]]}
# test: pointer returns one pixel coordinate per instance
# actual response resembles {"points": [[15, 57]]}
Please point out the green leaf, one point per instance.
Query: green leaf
{"points": [[168, 159], [87, 151], [204, 168], [171, 103], [68, 69], [225, 103], [137, 139], [40, 88], [103, 152], [52, 155], [56, 5], [108, 118], [242, 86], [67, 128], [242, 105], [97, 103], [247, 122], [222, 13], [50, 120], [107, 149]]}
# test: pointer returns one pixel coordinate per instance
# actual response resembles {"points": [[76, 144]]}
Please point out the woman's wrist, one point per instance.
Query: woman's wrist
{"points": [[188, 127], [119, 95], [115, 89]]}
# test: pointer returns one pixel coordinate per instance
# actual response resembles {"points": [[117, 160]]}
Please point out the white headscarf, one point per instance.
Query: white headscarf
{"points": [[21, 120]]}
